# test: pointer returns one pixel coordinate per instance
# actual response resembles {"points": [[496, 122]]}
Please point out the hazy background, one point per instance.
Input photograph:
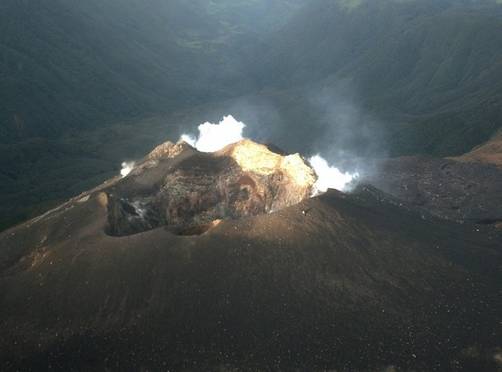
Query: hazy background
{"points": [[87, 84]]}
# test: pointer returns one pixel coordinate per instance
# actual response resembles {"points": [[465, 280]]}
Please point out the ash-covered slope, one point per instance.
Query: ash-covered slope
{"points": [[345, 282], [463, 191]]}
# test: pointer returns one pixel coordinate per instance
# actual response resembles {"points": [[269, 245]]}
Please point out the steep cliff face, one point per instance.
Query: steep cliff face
{"points": [[186, 190]]}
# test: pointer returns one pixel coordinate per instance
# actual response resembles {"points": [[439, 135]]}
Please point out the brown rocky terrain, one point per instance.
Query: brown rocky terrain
{"points": [[488, 153], [465, 189], [222, 262], [179, 187], [461, 191]]}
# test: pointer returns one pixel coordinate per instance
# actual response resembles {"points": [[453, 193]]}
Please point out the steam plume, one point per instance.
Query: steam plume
{"points": [[214, 137], [127, 167], [330, 177]]}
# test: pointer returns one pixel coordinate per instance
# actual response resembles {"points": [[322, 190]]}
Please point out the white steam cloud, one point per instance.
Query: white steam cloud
{"points": [[127, 167], [330, 177], [214, 137]]}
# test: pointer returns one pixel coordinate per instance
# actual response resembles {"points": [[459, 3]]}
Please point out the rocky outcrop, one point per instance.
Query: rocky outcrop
{"points": [[167, 150], [188, 189]]}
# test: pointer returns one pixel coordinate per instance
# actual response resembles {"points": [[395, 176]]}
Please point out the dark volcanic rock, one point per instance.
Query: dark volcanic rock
{"points": [[465, 192], [359, 283]]}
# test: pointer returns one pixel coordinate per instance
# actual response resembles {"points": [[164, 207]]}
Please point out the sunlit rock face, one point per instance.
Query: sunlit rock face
{"points": [[186, 190], [167, 150]]}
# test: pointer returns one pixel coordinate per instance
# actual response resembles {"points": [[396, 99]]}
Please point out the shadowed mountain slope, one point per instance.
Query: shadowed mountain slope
{"points": [[429, 70], [460, 191], [76, 65], [345, 282], [78, 79]]}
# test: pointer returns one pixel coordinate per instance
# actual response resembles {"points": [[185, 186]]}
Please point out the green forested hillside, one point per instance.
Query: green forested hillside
{"points": [[431, 71], [77, 79], [74, 64]]}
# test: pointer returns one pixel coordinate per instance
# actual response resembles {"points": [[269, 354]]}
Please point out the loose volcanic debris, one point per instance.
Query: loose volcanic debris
{"points": [[363, 281]]}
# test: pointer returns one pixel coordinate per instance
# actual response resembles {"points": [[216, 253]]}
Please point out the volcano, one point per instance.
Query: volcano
{"points": [[223, 261], [186, 190]]}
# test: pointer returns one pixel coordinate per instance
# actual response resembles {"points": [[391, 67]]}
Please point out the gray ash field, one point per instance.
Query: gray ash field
{"points": [[349, 282]]}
